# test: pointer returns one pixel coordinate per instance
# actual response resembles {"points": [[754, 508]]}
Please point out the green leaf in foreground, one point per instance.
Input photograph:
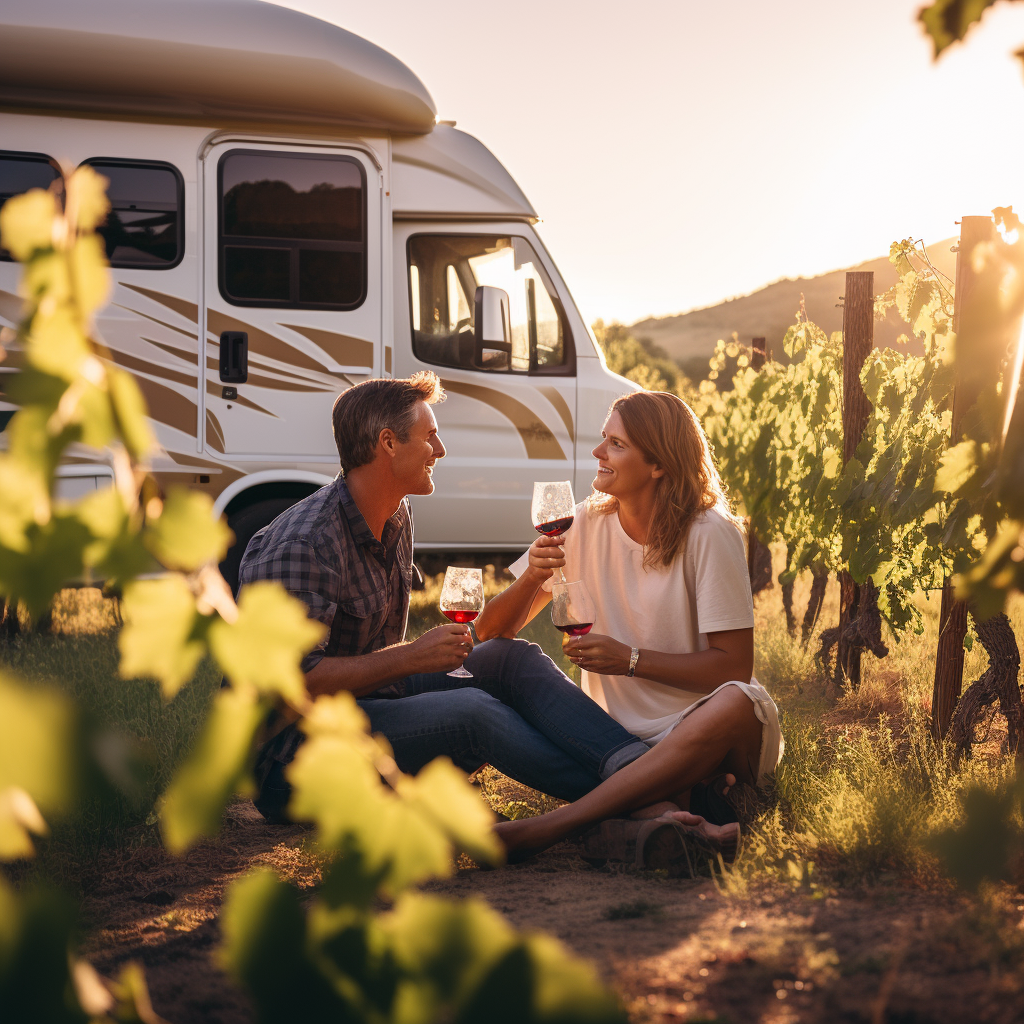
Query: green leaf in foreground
{"points": [[186, 535], [36, 928], [428, 960], [264, 647], [163, 633], [215, 770], [38, 761], [407, 833], [266, 949], [989, 844]]}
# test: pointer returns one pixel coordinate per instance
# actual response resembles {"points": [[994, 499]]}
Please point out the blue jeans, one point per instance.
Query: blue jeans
{"points": [[519, 713]]}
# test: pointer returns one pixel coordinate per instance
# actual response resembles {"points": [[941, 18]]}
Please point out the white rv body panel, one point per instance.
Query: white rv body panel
{"points": [[353, 111]]}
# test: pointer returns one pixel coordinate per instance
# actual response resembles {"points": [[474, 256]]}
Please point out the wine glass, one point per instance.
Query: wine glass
{"points": [[462, 600], [572, 609], [554, 509]]}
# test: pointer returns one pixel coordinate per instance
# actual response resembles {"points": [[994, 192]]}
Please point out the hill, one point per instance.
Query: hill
{"points": [[771, 310]]}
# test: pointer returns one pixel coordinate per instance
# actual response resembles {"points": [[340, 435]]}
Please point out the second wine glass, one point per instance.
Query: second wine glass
{"points": [[553, 509], [572, 609], [462, 600]]}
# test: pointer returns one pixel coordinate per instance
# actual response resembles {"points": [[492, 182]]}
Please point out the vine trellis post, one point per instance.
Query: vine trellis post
{"points": [[949, 654], [858, 340]]}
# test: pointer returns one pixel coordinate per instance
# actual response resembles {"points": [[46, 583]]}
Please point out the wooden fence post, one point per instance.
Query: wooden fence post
{"points": [[758, 353], [949, 654], [858, 340]]}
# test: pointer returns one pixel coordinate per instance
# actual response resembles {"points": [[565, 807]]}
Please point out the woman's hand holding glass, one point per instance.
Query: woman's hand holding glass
{"points": [[603, 655], [547, 555]]}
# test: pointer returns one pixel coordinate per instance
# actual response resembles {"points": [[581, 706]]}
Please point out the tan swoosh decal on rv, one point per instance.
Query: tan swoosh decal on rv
{"points": [[189, 310], [189, 357], [344, 350], [540, 442], [11, 307], [229, 473], [130, 362], [167, 406], [214, 389], [271, 383], [157, 320], [262, 343], [214, 435], [555, 397]]}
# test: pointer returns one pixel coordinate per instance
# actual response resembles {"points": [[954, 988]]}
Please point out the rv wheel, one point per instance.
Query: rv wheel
{"points": [[244, 524]]}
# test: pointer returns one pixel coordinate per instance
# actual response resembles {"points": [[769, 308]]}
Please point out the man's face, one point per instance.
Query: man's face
{"points": [[413, 462]]}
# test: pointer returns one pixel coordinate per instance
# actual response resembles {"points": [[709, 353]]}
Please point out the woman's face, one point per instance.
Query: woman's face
{"points": [[621, 471]]}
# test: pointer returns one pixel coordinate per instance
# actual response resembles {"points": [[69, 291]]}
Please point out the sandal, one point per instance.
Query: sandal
{"points": [[656, 843], [683, 850], [709, 800]]}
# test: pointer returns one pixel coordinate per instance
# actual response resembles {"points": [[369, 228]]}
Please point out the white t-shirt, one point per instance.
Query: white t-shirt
{"points": [[664, 608]]}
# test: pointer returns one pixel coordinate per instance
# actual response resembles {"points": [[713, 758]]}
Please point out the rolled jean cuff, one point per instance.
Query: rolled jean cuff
{"points": [[620, 758]]}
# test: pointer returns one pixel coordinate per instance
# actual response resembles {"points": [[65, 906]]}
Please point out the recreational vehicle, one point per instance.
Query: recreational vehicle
{"points": [[288, 218]]}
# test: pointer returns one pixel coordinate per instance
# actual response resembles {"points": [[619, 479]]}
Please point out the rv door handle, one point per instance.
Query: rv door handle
{"points": [[234, 357]]}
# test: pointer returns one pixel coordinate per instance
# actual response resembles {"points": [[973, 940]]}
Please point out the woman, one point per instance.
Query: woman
{"points": [[671, 652]]}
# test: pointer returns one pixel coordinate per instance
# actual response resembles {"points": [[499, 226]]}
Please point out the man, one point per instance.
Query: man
{"points": [[346, 551]]}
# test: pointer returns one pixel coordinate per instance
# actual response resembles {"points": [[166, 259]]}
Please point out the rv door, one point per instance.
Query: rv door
{"points": [[292, 288], [485, 315]]}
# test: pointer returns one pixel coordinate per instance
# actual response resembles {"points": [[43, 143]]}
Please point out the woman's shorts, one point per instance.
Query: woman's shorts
{"points": [[772, 743]]}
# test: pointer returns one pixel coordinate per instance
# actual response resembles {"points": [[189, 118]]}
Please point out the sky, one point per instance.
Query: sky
{"points": [[682, 152]]}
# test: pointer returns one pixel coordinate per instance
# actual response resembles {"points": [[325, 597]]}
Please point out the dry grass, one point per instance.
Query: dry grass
{"points": [[858, 796]]}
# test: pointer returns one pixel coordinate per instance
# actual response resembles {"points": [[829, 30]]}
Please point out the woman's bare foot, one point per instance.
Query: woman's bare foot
{"points": [[721, 834]]}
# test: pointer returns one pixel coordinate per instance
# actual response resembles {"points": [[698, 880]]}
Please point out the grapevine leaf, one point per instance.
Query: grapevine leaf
{"points": [[89, 274], [265, 646], [186, 535], [38, 761], [53, 556], [56, 344], [26, 223], [987, 842], [130, 412], [957, 467], [265, 949], [36, 933], [465, 954], [87, 197], [440, 790], [163, 634], [948, 21], [194, 802], [408, 831]]}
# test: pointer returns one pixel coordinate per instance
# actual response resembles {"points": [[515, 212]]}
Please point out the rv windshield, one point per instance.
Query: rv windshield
{"points": [[444, 273]]}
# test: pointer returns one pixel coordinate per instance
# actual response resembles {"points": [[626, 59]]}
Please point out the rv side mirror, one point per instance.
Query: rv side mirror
{"points": [[492, 332]]}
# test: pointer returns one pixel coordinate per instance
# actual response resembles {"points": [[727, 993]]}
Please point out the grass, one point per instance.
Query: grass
{"points": [[859, 796], [138, 739]]}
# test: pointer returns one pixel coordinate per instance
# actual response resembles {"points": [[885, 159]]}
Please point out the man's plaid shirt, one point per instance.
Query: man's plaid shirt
{"points": [[323, 553]]}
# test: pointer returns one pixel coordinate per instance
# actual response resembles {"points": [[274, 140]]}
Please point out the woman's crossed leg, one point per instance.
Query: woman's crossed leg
{"points": [[723, 735]]}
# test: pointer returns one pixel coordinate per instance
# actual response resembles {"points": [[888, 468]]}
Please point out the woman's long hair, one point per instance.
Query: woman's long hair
{"points": [[668, 435]]}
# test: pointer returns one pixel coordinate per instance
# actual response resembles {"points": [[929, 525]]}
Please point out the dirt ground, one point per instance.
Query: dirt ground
{"points": [[675, 950]]}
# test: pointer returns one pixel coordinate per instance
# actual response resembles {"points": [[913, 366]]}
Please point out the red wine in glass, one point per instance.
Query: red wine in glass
{"points": [[576, 628], [459, 616], [549, 529]]}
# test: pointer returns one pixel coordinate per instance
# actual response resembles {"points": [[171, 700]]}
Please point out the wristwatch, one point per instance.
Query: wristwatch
{"points": [[634, 657]]}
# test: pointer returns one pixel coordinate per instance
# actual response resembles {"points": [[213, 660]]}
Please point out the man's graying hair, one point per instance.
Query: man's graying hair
{"points": [[364, 410]]}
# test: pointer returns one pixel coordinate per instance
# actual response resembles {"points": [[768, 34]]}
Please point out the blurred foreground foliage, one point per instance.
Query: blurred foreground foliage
{"points": [[426, 959]]}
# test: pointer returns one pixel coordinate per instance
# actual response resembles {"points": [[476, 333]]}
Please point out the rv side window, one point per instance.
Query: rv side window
{"points": [[444, 273], [292, 230], [145, 227], [20, 172]]}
